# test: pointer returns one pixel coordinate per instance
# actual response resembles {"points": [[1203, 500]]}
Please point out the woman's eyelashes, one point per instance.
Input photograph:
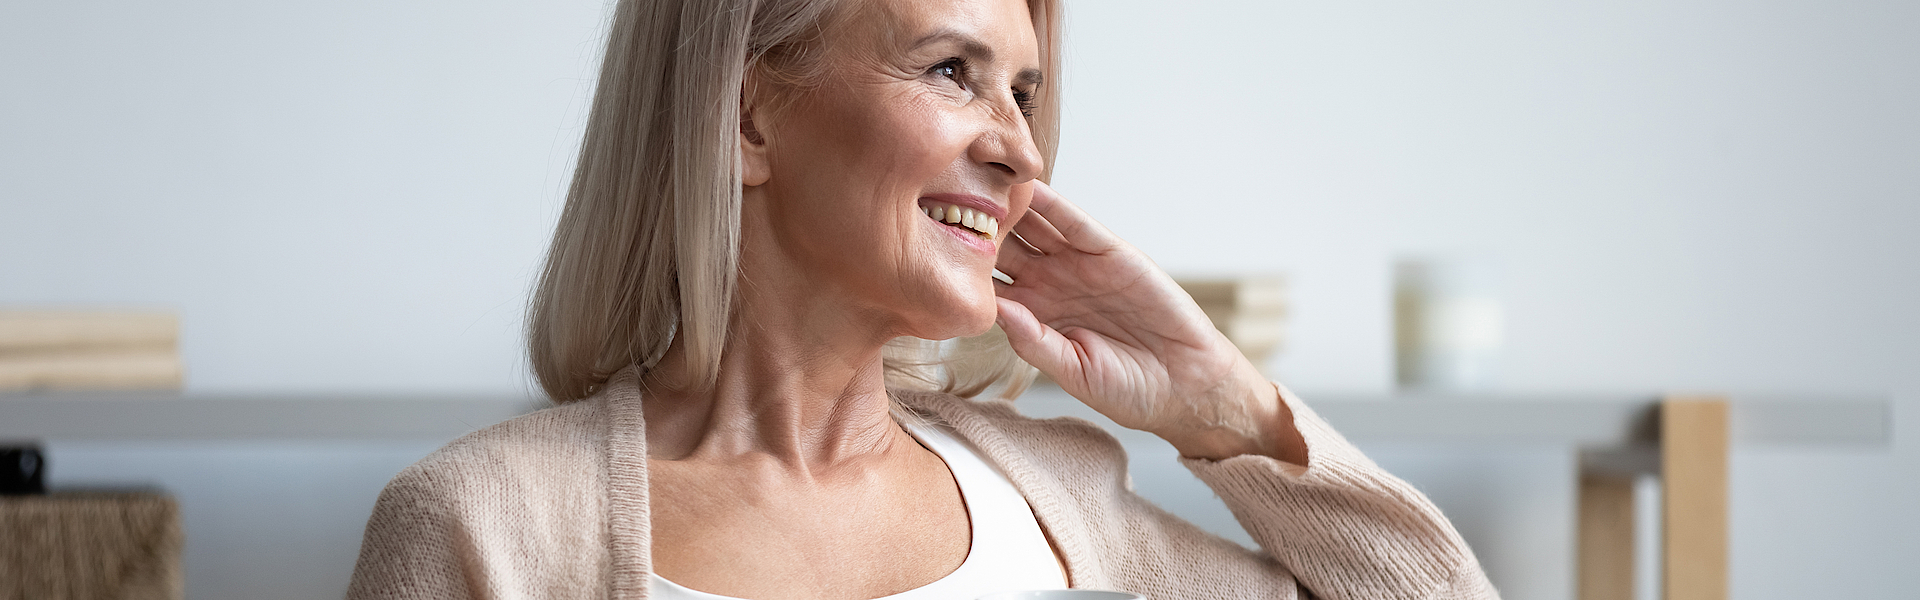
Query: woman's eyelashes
{"points": [[1024, 100], [958, 70]]}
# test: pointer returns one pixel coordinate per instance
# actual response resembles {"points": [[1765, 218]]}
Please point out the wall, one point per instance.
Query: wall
{"points": [[335, 195], [1689, 195], [1685, 195]]}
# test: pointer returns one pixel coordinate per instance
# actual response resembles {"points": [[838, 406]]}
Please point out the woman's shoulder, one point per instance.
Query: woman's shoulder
{"points": [[515, 502], [550, 461]]}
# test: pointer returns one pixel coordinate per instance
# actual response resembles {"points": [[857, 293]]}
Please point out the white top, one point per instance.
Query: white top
{"points": [[1008, 553]]}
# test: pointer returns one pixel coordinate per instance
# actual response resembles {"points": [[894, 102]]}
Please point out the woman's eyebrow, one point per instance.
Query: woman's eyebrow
{"points": [[969, 45], [976, 50], [1029, 77]]}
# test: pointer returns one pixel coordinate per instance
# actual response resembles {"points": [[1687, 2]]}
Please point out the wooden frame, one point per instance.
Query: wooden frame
{"points": [[1689, 448]]}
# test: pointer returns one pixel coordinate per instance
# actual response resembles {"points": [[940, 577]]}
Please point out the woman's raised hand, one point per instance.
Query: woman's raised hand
{"points": [[1098, 317]]}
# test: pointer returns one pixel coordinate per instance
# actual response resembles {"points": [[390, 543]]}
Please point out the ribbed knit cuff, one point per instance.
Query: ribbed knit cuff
{"points": [[1346, 528]]}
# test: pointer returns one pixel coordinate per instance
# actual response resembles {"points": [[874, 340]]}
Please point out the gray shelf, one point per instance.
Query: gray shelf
{"points": [[1589, 421], [164, 416], [1585, 421]]}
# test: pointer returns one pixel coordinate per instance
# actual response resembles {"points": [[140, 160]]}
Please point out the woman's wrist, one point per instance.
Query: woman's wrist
{"points": [[1265, 428]]}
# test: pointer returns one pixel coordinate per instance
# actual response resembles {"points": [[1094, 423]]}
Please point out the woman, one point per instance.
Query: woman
{"points": [[773, 200]]}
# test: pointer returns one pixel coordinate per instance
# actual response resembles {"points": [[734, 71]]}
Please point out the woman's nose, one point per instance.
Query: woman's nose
{"points": [[1007, 146]]}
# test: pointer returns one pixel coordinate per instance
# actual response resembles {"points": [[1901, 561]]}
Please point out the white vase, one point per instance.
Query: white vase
{"points": [[1448, 323]]}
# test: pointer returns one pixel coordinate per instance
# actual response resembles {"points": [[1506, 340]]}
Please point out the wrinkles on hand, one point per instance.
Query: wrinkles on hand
{"points": [[1101, 319]]}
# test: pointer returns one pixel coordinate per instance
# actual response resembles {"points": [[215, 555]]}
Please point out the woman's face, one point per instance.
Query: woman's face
{"points": [[920, 112]]}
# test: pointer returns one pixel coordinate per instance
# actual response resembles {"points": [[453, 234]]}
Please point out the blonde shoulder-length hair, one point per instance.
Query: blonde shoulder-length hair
{"points": [[647, 246]]}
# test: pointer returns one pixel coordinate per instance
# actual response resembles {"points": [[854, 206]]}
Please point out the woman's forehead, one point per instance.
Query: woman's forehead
{"points": [[991, 28]]}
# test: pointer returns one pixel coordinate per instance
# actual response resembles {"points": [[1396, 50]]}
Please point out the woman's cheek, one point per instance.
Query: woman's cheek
{"points": [[931, 137], [1018, 199]]}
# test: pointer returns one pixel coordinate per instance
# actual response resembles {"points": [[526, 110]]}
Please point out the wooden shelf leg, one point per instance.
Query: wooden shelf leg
{"points": [[1693, 465], [1606, 536]]}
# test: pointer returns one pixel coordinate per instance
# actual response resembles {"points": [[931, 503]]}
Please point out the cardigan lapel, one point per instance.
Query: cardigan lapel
{"points": [[629, 520]]}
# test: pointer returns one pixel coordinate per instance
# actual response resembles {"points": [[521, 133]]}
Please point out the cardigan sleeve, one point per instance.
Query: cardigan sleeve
{"points": [[413, 542], [1344, 527]]}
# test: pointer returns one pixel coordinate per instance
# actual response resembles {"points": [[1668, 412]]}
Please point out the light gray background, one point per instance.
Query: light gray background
{"points": [[351, 196]]}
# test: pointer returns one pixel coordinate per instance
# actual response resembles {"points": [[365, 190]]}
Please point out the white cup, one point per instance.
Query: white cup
{"points": [[1062, 595], [1447, 323]]}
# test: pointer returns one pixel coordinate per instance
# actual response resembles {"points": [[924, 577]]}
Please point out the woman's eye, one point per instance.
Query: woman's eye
{"points": [[952, 68]]}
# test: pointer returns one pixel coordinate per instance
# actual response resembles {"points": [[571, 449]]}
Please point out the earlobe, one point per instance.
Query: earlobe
{"points": [[754, 169]]}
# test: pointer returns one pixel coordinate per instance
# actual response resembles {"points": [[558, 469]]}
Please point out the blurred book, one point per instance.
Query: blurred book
{"points": [[1251, 311], [97, 350]]}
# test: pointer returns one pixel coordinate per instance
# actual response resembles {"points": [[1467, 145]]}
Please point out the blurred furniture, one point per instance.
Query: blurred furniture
{"points": [[173, 416], [275, 489], [1683, 440], [1687, 450], [90, 546]]}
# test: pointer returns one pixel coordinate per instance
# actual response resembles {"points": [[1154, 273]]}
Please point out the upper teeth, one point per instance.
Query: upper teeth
{"points": [[964, 217]]}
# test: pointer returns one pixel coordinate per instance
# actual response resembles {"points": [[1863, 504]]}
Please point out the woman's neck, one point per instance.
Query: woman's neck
{"points": [[801, 382]]}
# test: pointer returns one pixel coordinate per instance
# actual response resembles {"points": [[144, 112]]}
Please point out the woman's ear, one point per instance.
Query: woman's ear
{"points": [[754, 167]]}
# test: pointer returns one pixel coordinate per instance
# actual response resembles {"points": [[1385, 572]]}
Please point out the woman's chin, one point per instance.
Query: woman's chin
{"points": [[966, 320], [959, 330], [979, 328], [957, 303]]}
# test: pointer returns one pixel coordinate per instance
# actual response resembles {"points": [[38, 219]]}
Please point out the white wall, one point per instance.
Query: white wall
{"points": [[335, 195], [1686, 195], [352, 196]]}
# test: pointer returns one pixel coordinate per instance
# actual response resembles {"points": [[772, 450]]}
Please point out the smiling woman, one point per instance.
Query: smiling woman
{"points": [[778, 205]]}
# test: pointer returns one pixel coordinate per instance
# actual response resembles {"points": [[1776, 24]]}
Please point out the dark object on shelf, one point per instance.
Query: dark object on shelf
{"points": [[22, 470]]}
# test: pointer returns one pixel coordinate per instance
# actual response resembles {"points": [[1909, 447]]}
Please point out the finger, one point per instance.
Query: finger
{"points": [[1074, 225], [1023, 294], [1016, 257], [1041, 234], [1035, 342]]}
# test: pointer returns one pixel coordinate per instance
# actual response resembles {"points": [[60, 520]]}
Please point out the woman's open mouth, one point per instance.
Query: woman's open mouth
{"points": [[973, 221]]}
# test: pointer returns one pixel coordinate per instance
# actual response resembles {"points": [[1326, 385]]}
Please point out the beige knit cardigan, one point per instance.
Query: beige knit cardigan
{"points": [[554, 505]]}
